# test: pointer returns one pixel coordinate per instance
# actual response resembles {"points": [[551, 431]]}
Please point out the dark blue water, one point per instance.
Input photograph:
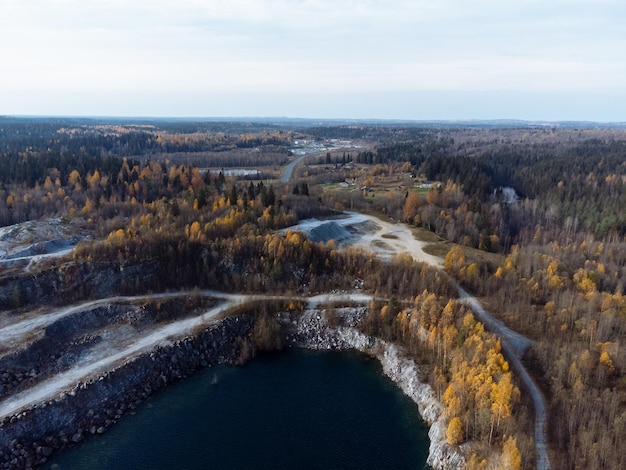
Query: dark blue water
{"points": [[289, 410]]}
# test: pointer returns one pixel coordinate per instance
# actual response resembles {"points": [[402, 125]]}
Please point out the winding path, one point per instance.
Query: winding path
{"points": [[513, 344], [13, 334]]}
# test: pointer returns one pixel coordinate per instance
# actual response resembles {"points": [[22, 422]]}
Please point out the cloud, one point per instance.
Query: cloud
{"points": [[319, 46]]}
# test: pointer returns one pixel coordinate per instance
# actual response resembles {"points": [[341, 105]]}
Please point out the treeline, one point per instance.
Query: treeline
{"points": [[38, 137], [583, 184], [414, 152], [384, 134], [45, 138], [169, 143], [33, 170], [201, 229], [71, 185], [33, 187], [266, 156]]}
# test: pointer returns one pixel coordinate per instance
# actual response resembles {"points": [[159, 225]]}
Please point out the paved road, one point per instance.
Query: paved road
{"points": [[292, 166]]}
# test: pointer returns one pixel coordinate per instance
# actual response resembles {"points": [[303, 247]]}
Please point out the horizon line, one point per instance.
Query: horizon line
{"points": [[218, 118]]}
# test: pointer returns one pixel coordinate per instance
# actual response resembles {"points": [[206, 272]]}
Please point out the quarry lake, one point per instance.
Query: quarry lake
{"points": [[299, 409]]}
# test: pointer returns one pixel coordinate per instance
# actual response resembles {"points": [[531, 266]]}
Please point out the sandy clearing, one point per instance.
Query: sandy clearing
{"points": [[395, 238], [383, 238]]}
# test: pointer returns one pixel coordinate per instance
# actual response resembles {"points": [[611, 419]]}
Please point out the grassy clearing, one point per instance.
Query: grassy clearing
{"points": [[438, 246], [421, 190], [381, 245], [427, 236], [473, 255]]}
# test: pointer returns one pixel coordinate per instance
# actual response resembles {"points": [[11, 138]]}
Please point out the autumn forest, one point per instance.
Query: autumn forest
{"points": [[529, 219]]}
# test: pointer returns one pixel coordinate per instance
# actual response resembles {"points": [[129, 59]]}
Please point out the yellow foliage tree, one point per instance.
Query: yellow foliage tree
{"points": [[501, 394], [473, 271], [194, 231], [584, 281], [89, 206], [384, 311], [93, 180], [403, 319], [452, 402], [454, 433], [455, 260], [411, 206], [477, 463], [607, 363], [48, 185], [511, 458], [74, 179]]}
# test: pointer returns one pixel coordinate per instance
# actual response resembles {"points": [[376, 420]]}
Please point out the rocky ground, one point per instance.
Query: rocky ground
{"points": [[28, 437], [24, 245]]}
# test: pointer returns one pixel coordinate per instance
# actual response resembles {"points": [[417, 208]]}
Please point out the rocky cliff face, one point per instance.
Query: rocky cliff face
{"points": [[312, 331], [28, 438]]}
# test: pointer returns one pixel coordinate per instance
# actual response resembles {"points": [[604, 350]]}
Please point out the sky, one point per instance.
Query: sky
{"points": [[365, 59]]}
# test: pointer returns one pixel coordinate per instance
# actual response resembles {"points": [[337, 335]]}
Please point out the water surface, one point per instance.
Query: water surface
{"points": [[289, 410]]}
